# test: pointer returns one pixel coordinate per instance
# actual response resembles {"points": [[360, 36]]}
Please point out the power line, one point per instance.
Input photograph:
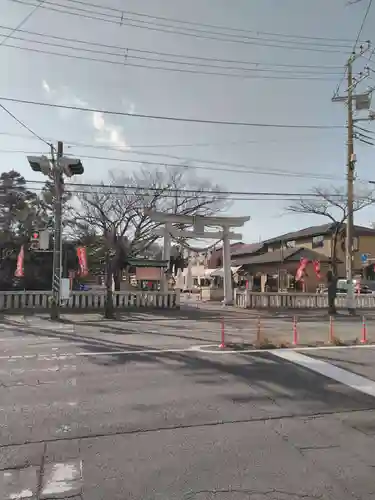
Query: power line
{"points": [[244, 170], [126, 50], [126, 64], [172, 118], [19, 25], [230, 167], [204, 25], [196, 191], [362, 24], [24, 125], [196, 195], [125, 56], [74, 144], [122, 21], [355, 45]]}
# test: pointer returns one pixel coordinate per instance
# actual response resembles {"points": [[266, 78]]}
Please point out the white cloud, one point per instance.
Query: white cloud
{"points": [[98, 121], [63, 96], [46, 87], [108, 133]]}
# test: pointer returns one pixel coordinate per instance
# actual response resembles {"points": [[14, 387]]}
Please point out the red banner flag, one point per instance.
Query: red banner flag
{"points": [[82, 259], [20, 260], [316, 265], [301, 269]]}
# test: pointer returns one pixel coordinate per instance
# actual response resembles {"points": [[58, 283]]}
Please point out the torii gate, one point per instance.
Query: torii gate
{"points": [[199, 222]]}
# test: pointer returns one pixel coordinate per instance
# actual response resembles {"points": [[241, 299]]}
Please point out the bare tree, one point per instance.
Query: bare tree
{"points": [[332, 204], [118, 212]]}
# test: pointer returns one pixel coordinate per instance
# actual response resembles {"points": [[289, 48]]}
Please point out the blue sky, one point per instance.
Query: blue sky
{"points": [[42, 77]]}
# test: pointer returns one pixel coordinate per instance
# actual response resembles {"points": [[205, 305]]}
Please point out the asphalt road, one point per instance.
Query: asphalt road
{"points": [[90, 413]]}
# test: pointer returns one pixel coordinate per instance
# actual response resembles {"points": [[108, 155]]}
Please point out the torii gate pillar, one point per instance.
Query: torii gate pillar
{"points": [[199, 222]]}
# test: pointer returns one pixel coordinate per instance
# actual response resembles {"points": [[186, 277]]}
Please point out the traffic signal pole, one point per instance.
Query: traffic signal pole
{"points": [[55, 168], [57, 244]]}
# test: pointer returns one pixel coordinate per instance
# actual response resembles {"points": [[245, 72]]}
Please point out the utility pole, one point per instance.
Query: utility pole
{"points": [[57, 243], [350, 193], [361, 101]]}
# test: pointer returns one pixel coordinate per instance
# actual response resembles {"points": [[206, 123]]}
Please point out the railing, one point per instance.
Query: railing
{"points": [[269, 300], [40, 301]]}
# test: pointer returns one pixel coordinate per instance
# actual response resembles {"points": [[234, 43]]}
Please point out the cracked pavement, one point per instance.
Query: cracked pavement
{"points": [[101, 411]]}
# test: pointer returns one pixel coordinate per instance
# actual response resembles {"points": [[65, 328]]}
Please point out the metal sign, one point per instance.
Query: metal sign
{"points": [[364, 258]]}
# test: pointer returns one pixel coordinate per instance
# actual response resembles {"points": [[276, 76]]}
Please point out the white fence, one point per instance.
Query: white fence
{"points": [[40, 301], [253, 300]]}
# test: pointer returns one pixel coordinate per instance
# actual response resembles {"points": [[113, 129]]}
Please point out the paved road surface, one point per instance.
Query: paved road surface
{"points": [[92, 413]]}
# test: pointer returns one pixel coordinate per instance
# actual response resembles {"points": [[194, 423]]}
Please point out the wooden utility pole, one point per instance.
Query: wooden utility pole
{"points": [[350, 99], [350, 191]]}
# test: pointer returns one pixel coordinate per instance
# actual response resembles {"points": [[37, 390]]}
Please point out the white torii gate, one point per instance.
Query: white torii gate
{"points": [[199, 222]]}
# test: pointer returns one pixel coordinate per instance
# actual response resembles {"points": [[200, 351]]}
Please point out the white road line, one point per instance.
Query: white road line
{"points": [[333, 372], [62, 479], [214, 349], [204, 349], [54, 357]]}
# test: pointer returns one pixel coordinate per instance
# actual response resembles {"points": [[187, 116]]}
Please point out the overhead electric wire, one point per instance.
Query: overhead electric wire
{"points": [[196, 195], [363, 24], [197, 191], [355, 44], [126, 64], [171, 118], [226, 167], [125, 56], [20, 24], [20, 122], [74, 144], [204, 25], [126, 50], [255, 171], [122, 21]]}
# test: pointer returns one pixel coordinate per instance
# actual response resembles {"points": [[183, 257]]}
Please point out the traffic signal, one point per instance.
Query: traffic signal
{"points": [[71, 166], [35, 241], [40, 164], [40, 240]]}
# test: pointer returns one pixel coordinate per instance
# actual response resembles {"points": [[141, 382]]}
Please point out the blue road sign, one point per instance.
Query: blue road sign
{"points": [[364, 258]]}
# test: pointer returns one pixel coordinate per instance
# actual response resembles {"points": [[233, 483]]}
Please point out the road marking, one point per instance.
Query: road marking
{"points": [[62, 478], [333, 372], [214, 349], [54, 357], [19, 484], [204, 349]]}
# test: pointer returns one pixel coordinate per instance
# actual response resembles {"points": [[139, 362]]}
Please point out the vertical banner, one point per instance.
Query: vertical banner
{"points": [[301, 269], [316, 265], [82, 259], [20, 261]]}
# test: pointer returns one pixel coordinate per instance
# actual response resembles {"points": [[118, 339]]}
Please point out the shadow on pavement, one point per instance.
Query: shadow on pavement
{"points": [[266, 376]]}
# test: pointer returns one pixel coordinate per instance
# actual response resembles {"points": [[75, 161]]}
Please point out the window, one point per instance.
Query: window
{"points": [[318, 241], [290, 244]]}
